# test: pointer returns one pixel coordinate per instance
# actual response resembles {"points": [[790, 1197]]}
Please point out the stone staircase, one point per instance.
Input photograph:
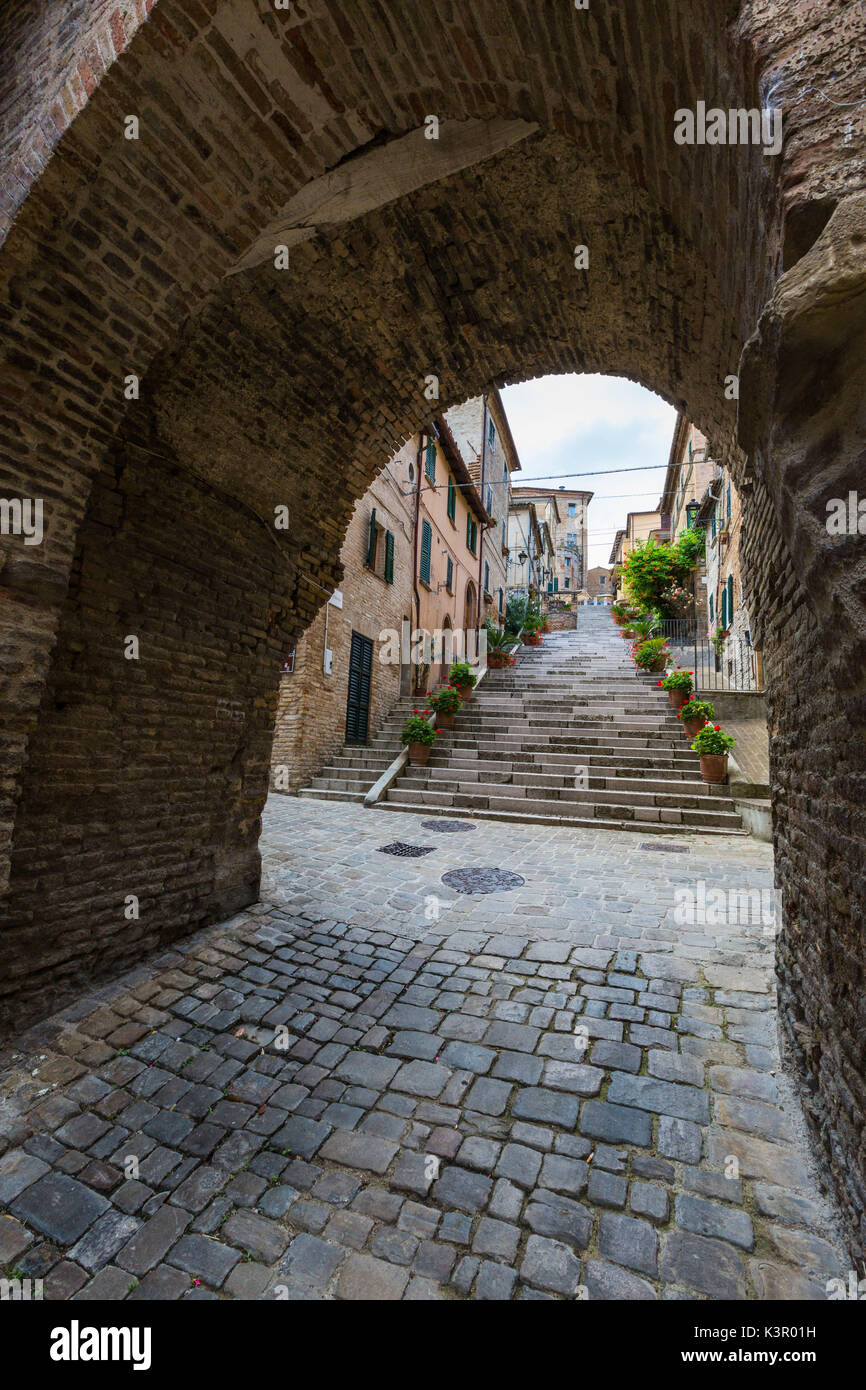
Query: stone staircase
{"points": [[352, 772], [571, 734]]}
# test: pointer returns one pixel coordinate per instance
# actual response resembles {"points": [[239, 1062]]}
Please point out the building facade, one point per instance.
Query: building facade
{"points": [[335, 689], [530, 549], [565, 510], [599, 584], [482, 435], [729, 626], [448, 573]]}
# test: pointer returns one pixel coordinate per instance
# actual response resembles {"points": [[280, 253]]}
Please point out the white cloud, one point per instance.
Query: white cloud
{"points": [[590, 425]]}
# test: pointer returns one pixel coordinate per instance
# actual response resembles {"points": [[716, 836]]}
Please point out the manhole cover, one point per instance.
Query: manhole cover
{"points": [[448, 827], [482, 880], [668, 849], [405, 851]]}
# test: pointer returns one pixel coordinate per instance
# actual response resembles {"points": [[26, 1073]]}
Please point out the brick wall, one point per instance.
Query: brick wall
{"points": [[311, 714]]}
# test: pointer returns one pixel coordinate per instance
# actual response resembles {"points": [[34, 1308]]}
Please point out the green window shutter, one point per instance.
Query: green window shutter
{"points": [[371, 542], [486, 577], [452, 500], [730, 597], [449, 580], [713, 523], [426, 550], [430, 460], [469, 531], [389, 557], [712, 606], [725, 606]]}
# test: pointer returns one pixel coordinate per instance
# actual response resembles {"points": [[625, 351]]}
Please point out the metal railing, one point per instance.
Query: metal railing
{"points": [[733, 667]]}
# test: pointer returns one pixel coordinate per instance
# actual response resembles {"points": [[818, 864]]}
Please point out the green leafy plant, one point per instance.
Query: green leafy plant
{"points": [[718, 640], [678, 680], [417, 729], [712, 739], [446, 700], [696, 709], [646, 654], [463, 674]]}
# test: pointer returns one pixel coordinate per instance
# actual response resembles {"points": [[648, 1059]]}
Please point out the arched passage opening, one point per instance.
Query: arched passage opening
{"points": [[171, 385]]}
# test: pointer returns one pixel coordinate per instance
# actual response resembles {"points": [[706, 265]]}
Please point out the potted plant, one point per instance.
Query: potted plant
{"points": [[419, 734], [651, 654], [679, 685], [713, 745], [446, 702], [695, 714], [464, 678]]}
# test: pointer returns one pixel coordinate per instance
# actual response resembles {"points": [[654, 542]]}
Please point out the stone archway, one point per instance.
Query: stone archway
{"points": [[141, 777]]}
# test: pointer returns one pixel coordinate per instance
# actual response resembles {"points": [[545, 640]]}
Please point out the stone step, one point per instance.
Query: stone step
{"points": [[643, 827], [323, 794]]}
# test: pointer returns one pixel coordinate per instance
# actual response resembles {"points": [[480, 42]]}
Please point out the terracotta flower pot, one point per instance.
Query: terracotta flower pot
{"points": [[446, 719], [419, 753], [692, 726], [714, 767], [658, 664], [677, 698], [465, 693]]}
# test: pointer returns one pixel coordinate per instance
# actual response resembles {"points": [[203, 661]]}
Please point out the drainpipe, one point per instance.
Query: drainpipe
{"points": [[415, 550], [482, 531]]}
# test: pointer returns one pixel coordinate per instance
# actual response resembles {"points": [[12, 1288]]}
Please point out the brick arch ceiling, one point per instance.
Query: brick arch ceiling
{"points": [[120, 252]]}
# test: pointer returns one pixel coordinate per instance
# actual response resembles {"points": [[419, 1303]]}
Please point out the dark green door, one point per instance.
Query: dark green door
{"points": [[358, 704]]}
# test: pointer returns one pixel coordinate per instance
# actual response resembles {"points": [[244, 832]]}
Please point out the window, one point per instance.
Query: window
{"points": [[389, 557], [486, 577], [504, 539], [288, 665], [601, 581], [449, 576], [724, 605], [452, 499], [729, 501], [371, 541], [491, 435], [567, 582], [430, 460], [505, 471], [501, 602], [730, 597], [572, 509], [572, 538], [712, 606], [471, 533], [489, 500], [713, 525], [426, 550]]}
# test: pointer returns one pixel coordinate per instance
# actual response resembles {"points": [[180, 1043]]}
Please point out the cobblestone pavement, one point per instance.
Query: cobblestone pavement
{"points": [[370, 1086]]}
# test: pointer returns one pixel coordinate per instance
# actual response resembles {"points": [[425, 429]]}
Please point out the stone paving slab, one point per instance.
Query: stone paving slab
{"points": [[368, 1086]]}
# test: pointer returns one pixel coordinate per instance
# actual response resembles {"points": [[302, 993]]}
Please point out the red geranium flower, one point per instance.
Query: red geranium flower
{"points": [[717, 728]]}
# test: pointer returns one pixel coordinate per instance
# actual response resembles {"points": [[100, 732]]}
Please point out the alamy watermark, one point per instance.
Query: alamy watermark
{"points": [[22, 517], [703, 905], [735, 126]]}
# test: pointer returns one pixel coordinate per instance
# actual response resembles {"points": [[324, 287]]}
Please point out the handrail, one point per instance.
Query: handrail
{"points": [[392, 772]]}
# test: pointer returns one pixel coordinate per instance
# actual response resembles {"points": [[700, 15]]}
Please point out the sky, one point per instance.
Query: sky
{"points": [[589, 425]]}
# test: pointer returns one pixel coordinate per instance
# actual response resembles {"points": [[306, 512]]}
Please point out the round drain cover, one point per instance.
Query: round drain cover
{"points": [[406, 851], [482, 880], [448, 827]]}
